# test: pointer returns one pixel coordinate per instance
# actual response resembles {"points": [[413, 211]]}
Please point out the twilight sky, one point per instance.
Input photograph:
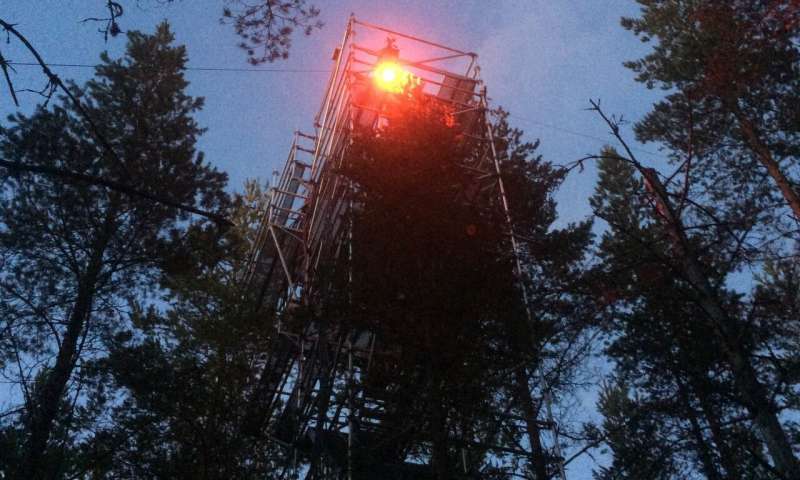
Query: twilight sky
{"points": [[541, 60]]}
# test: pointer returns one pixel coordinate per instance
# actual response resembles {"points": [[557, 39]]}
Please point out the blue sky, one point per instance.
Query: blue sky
{"points": [[541, 60]]}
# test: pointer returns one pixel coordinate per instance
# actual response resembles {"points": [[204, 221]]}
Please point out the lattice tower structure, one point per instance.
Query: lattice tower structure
{"points": [[311, 395]]}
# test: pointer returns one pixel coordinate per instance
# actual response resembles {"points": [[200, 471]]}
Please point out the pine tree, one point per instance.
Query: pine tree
{"points": [[75, 253], [679, 364], [730, 123], [731, 68], [433, 277], [186, 372], [636, 437]]}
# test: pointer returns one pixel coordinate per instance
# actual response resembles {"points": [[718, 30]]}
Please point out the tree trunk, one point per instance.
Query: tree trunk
{"points": [[525, 402], [45, 407], [696, 389], [440, 456], [765, 157], [703, 449], [752, 393], [711, 416]]}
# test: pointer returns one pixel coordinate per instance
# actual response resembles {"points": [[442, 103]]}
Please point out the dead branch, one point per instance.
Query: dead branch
{"points": [[115, 11], [4, 64]]}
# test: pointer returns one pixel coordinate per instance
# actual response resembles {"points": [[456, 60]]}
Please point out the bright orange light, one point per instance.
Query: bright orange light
{"points": [[391, 77]]}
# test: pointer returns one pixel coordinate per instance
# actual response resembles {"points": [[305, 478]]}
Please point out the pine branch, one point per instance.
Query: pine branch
{"points": [[113, 185], [55, 80]]}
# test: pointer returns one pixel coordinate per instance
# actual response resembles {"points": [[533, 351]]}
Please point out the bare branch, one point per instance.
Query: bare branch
{"points": [[112, 27], [4, 64]]}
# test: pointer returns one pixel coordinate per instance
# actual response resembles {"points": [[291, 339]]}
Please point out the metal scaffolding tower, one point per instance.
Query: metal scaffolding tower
{"points": [[311, 396]]}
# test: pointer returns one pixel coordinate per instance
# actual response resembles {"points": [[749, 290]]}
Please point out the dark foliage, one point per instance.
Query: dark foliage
{"points": [[699, 356], [75, 254], [266, 28], [433, 275], [185, 375], [666, 352]]}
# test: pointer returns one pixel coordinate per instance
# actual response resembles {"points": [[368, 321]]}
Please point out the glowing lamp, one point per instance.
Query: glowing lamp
{"points": [[391, 77]]}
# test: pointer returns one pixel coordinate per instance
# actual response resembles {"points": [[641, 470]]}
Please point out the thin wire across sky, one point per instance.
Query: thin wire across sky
{"points": [[314, 70]]}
